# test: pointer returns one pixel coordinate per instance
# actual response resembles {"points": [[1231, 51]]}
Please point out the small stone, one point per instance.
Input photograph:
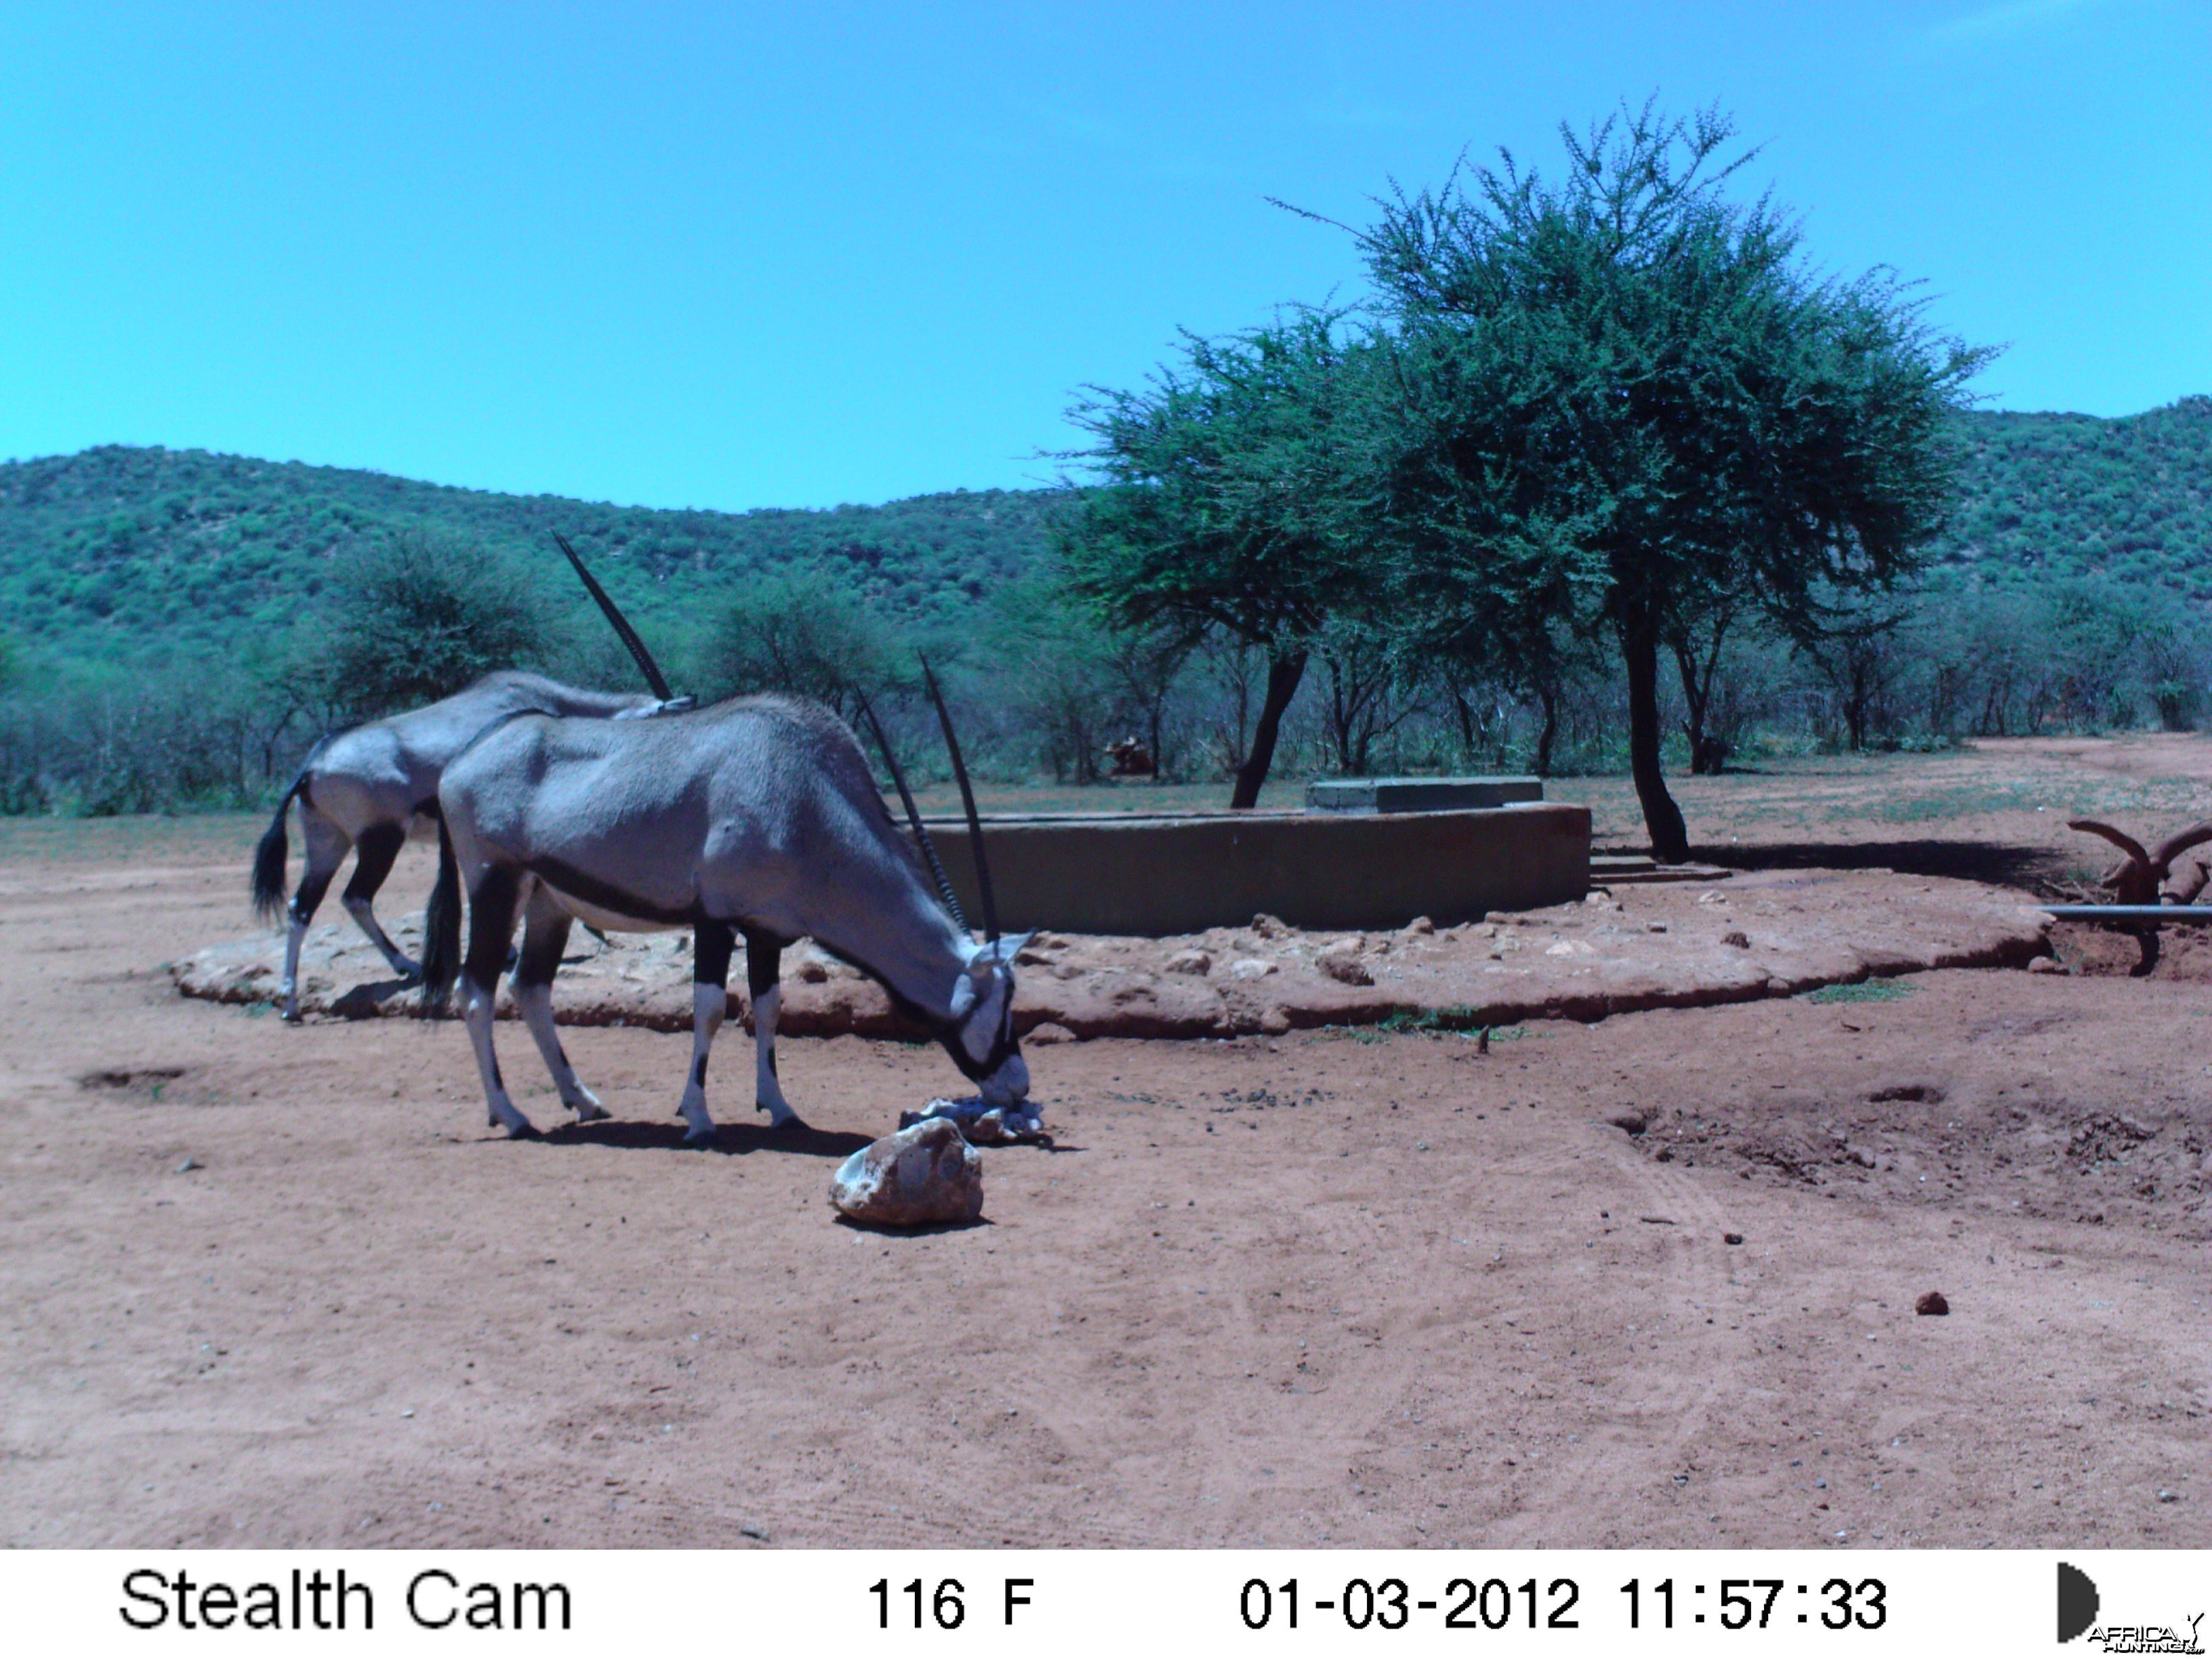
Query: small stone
{"points": [[189, 1165], [1276, 1020], [1731, 1238], [1634, 1121], [1267, 927], [1343, 964], [1933, 1302], [1421, 924], [1737, 938], [1709, 898], [1655, 926], [925, 1174], [812, 972], [2166, 1497], [754, 1533], [1190, 962], [1048, 1033], [2046, 965], [1250, 967]]}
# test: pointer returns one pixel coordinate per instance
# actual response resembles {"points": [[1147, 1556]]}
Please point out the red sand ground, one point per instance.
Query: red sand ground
{"points": [[1325, 1287]]}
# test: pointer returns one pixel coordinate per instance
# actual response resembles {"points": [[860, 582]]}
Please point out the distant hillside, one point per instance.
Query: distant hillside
{"points": [[2054, 496], [117, 553]]}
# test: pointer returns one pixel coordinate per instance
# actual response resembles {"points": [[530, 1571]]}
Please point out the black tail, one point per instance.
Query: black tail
{"points": [[441, 927], [268, 859]]}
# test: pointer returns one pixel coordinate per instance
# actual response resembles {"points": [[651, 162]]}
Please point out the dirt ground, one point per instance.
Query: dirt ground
{"points": [[276, 1287]]}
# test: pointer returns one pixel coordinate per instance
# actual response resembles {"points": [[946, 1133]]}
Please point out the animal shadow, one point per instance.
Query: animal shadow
{"points": [[731, 1140], [363, 1000]]}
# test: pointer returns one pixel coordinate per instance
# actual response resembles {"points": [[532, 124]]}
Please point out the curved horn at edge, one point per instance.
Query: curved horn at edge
{"points": [[2174, 846], [967, 800], [2126, 843], [913, 813]]}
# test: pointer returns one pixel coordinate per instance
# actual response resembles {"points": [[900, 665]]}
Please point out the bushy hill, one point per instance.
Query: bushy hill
{"points": [[120, 553], [2051, 496], [117, 553]]}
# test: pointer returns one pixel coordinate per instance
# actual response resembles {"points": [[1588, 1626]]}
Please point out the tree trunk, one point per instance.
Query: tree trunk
{"points": [[1547, 698], [1283, 674], [1639, 647]]}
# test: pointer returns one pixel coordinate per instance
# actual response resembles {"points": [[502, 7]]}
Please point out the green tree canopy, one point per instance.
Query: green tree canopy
{"points": [[1232, 500], [1623, 395], [806, 632], [419, 617]]}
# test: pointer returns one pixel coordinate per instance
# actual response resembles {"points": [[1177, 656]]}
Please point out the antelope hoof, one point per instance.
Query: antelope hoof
{"points": [[697, 1139], [588, 1111], [778, 1114], [409, 970], [524, 1130]]}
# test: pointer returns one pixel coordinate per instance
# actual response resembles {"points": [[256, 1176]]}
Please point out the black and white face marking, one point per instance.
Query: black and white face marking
{"points": [[983, 1044]]}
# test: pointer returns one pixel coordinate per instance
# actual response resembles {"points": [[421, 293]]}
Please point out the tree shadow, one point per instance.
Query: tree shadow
{"points": [[730, 1140], [2027, 868]]}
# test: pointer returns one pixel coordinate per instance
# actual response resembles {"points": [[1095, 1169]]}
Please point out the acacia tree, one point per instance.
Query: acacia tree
{"points": [[804, 632], [420, 617], [1625, 386], [1230, 502]]}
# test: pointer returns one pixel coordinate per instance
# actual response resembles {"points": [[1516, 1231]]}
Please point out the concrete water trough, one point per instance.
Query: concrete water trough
{"points": [[1184, 873]]}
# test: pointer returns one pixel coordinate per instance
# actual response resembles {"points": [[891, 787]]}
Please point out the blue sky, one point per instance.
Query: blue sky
{"points": [[735, 257]]}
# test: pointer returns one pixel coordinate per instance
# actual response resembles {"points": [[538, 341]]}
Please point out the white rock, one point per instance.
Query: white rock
{"points": [[924, 1174], [1250, 967]]}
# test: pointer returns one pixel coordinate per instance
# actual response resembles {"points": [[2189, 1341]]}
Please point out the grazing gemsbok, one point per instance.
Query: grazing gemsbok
{"points": [[756, 817], [369, 788]]}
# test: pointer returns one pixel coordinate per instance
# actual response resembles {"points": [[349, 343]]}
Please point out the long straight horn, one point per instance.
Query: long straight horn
{"points": [[968, 801], [623, 629], [913, 813]]}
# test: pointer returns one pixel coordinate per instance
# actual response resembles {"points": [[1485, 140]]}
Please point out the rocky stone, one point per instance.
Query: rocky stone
{"points": [[1933, 1302], [1421, 924], [980, 1124], [1631, 1120], [1189, 961], [2046, 965], [1048, 1033], [928, 1173], [1267, 927], [1276, 1020], [1341, 962], [1736, 937], [1250, 967]]}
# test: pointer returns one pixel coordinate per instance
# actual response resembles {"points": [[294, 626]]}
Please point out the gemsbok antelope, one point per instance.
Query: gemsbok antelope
{"points": [[755, 816], [371, 788], [368, 790]]}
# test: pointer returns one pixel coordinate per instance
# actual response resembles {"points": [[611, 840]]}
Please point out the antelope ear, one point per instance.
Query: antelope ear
{"points": [[1013, 945]]}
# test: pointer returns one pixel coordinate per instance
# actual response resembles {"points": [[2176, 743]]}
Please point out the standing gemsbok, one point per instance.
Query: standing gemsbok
{"points": [[369, 788], [755, 816]]}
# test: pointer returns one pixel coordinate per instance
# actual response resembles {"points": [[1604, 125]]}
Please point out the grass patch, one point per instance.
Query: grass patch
{"points": [[1867, 990], [1459, 1020]]}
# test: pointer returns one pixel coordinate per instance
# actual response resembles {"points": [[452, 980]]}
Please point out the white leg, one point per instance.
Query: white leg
{"points": [[476, 1010], [536, 1002], [767, 1090], [708, 1003], [288, 986]]}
